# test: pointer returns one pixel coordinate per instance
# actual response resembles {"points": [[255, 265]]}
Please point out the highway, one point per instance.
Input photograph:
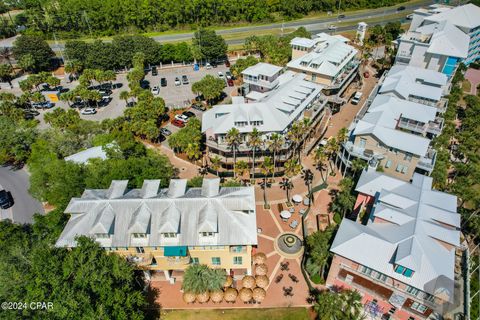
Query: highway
{"points": [[17, 182]]}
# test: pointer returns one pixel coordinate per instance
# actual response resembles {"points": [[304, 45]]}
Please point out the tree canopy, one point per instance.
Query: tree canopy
{"points": [[211, 46], [36, 49], [210, 87]]}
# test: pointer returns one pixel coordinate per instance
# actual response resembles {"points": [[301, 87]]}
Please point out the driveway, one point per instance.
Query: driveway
{"points": [[17, 182]]}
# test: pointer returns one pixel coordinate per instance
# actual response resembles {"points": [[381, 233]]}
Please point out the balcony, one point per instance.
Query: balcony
{"points": [[435, 127], [345, 75], [261, 83], [415, 126], [427, 162], [141, 259], [358, 152]]}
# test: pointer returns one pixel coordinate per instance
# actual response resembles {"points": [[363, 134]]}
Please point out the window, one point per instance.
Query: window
{"points": [[428, 297], [408, 156], [237, 249], [399, 269], [139, 235], [401, 168], [405, 271], [365, 270], [412, 290], [195, 260], [140, 249], [381, 277], [388, 164], [418, 307], [237, 260], [169, 235], [207, 234], [216, 261], [363, 142], [408, 273]]}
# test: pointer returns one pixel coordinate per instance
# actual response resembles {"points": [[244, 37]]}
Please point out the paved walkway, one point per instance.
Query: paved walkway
{"points": [[473, 76]]}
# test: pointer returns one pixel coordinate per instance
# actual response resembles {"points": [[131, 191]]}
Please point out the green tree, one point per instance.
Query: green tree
{"points": [[199, 278], [6, 73], [211, 46], [345, 304], [242, 64], [267, 168], [189, 135], [27, 62], [215, 164], [344, 200], [275, 144], [37, 48], [317, 249], [210, 87], [254, 141], [233, 139]]}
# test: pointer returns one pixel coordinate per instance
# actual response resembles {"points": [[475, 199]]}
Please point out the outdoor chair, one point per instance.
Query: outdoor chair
{"points": [[294, 224], [279, 278]]}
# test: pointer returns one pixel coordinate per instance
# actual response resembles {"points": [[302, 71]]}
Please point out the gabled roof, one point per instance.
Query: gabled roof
{"points": [[411, 234], [262, 68], [227, 211], [446, 39], [466, 16]]}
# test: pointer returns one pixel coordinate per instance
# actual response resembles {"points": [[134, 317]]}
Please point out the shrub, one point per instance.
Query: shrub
{"points": [[337, 218]]}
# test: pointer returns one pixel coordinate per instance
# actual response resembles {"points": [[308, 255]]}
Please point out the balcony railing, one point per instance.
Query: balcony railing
{"points": [[435, 127], [427, 162], [261, 83], [178, 261], [412, 126], [141, 259], [350, 69]]}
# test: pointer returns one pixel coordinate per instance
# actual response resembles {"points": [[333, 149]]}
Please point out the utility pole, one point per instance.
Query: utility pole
{"points": [[338, 11]]}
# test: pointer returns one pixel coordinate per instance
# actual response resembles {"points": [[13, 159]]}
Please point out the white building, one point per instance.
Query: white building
{"points": [[325, 59]]}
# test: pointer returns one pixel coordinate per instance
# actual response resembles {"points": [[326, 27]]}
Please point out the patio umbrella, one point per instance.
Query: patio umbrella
{"points": [[216, 296], [248, 282], [262, 281], [230, 295], [261, 269], [228, 281], [297, 198], [285, 214], [259, 258], [189, 297], [203, 297], [259, 294], [245, 294]]}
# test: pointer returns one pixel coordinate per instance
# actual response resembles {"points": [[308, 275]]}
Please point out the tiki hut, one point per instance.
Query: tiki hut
{"points": [[259, 258], [216, 296], [203, 297], [261, 269], [245, 294], [189, 297], [261, 281], [230, 295], [228, 281], [248, 282], [259, 294]]}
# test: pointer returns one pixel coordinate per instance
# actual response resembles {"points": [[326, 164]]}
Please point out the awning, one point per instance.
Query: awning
{"points": [[175, 251]]}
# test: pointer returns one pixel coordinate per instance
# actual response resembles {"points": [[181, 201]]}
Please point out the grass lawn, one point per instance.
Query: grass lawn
{"points": [[466, 86], [238, 314]]}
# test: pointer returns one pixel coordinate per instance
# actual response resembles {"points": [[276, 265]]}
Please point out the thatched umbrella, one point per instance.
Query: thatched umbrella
{"points": [[259, 294], [230, 295], [203, 297], [261, 269], [216, 296], [189, 297], [261, 281], [245, 294], [228, 281], [259, 258], [248, 282]]}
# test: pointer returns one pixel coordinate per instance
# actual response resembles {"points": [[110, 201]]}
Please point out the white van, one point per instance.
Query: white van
{"points": [[356, 98]]}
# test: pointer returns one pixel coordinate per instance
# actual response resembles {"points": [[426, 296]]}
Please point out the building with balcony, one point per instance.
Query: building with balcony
{"points": [[416, 84], [325, 59], [402, 261], [274, 111], [394, 134], [167, 229], [440, 37], [262, 77]]}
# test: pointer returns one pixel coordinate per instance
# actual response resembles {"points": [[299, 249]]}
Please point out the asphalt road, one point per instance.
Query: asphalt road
{"points": [[17, 182]]}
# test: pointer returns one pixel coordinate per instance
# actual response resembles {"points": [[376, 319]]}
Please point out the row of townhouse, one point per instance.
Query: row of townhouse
{"points": [[276, 97], [164, 230]]}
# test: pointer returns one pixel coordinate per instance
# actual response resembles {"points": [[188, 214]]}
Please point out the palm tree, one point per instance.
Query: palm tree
{"points": [[233, 139], [358, 165], [267, 169], [254, 141], [343, 305], [199, 278], [124, 95], [295, 135], [215, 163], [341, 137], [241, 169], [331, 149], [74, 67], [320, 157], [274, 145], [292, 168], [193, 151], [286, 185], [307, 176]]}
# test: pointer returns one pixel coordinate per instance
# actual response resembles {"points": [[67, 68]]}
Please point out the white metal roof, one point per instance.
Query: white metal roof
{"points": [[229, 212], [262, 68], [84, 156], [467, 16], [412, 240], [276, 109], [302, 42], [446, 39]]}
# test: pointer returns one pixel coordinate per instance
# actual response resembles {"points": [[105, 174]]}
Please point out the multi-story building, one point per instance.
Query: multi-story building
{"points": [[440, 37], [168, 229], [325, 59], [283, 99], [402, 261]]}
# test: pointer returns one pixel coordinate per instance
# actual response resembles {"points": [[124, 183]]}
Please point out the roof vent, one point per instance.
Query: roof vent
{"points": [[149, 188], [210, 187], [177, 188], [117, 189]]}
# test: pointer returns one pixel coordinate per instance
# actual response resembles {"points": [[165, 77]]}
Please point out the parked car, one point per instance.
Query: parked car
{"points": [[43, 105], [366, 74], [184, 79], [332, 27], [208, 66], [163, 82], [131, 104], [342, 16], [181, 117], [6, 199], [178, 123], [189, 114], [401, 8], [228, 75], [177, 81], [154, 71], [220, 75], [88, 111], [199, 107], [161, 138], [164, 117], [28, 116], [145, 84], [104, 102], [32, 111], [230, 82], [165, 131], [357, 97], [410, 16], [227, 63], [105, 92], [156, 90]]}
